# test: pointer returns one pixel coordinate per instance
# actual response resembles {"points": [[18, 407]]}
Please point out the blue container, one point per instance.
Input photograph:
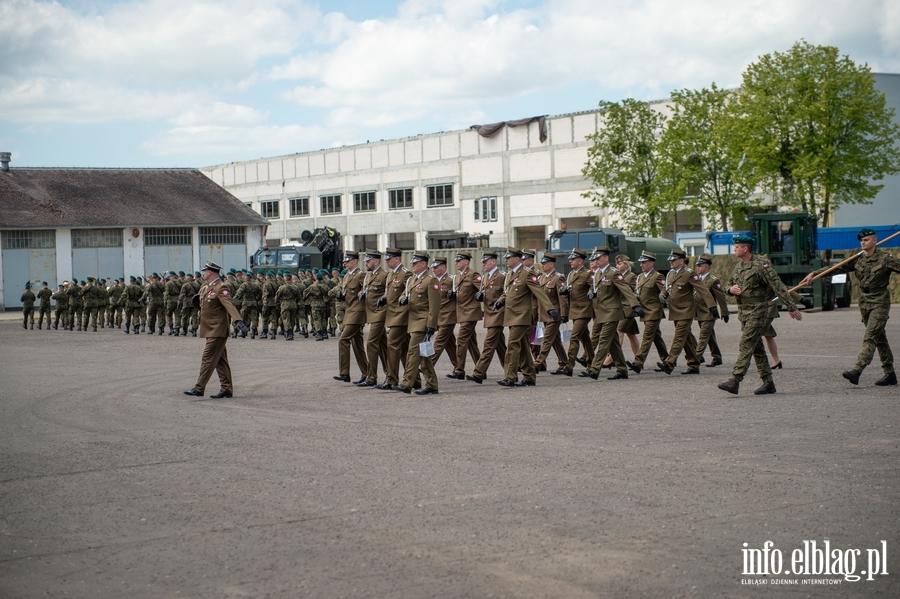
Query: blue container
{"points": [[844, 238]]}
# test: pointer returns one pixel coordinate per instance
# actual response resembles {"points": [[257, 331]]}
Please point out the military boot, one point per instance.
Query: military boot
{"points": [[253, 334], [194, 332], [303, 331], [95, 329], [289, 336], [171, 331], [137, 330], [731, 385], [888, 379], [161, 331], [127, 331], [331, 331], [852, 376], [243, 335], [144, 328], [55, 327], [766, 388], [273, 334]]}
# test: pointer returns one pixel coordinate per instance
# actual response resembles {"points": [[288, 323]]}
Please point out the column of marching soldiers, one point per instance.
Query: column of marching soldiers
{"points": [[271, 303]]}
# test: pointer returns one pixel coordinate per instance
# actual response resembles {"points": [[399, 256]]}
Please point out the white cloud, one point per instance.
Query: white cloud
{"points": [[236, 141], [218, 112]]}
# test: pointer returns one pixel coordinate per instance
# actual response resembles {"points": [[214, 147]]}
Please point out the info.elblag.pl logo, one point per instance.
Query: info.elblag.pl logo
{"points": [[813, 559]]}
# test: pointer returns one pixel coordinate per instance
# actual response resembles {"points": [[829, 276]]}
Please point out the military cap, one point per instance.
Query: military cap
{"points": [[44, 283], [623, 258], [210, 265], [197, 273], [548, 257], [83, 282], [270, 273], [154, 275], [600, 250], [132, 278], [420, 256], [513, 253], [527, 254], [181, 273], [677, 253], [349, 255], [27, 284], [189, 275], [172, 272], [91, 279], [344, 272], [392, 253], [373, 254], [704, 259], [319, 276], [647, 256], [744, 238], [439, 260], [488, 255], [865, 233], [462, 256], [576, 253]]}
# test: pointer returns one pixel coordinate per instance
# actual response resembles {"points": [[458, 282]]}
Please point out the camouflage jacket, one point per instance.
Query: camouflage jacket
{"points": [[759, 283], [873, 273]]}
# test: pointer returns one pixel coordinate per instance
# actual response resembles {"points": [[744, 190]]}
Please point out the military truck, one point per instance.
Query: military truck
{"points": [[319, 248], [563, 241], [790, 242]]}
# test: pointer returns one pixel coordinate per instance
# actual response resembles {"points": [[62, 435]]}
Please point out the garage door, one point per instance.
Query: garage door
{"points": [[27, 256], [97, 253], [226, 246], [167, 249]]}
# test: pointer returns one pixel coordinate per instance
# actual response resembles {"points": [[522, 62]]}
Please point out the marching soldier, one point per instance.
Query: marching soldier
{"points": [[316, 294], [350, 292], [551, 281], [628, 326], [396, 317], [444, 339], [520, 291], [155, 303], [268, 305], [45, 295], [707, 334], [609, 292], [490, 292], [92, 298], [189, 314], [287, 304], [133, 309], [373, 292], [581, 310], [465, 285], [75, 304], [28, 298], [216, 310], [249, 294], [116, 303], [62, 307], [423, 300], [172, 291], [681, 284], [648, 286], [873, 268]]}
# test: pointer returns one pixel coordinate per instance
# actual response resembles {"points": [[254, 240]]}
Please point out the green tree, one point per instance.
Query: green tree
{"points": [[814, 126], [623, 164], [704, 170]]}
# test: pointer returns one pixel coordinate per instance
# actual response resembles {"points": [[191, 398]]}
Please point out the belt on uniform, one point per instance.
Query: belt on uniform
{"points": [[872, 289], [749, 301]]}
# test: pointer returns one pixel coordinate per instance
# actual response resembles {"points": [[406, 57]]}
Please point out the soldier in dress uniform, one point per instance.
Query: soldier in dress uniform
{"points": [[520, 291], [490, 292], [707, 334], [374, 286], [444, 339], [44, 295], [423, 300], [609, 292], [681, 284], [551, 281], [648, 286], [581, 310], [396, 316], [873, 268], [753, 283], [216, 313], [28, 298], [350, 292], [628, 326], [62, 307], [466, 284]]}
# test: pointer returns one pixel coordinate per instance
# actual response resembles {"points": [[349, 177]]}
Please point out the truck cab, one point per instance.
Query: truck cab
{"points": [[563, 241]]}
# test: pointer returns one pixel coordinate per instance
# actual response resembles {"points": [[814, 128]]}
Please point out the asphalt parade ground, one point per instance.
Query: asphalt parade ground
{"points": [[115, 484]]}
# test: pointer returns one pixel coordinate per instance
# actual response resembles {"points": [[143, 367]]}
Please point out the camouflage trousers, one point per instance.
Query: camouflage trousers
{"points": [[250, 316], [62, 314], [173, 318], [288, 318], [26, 314], [753, 325], [189, 317], [75, 314], [44, 312], [875, 338], [319, 318]]}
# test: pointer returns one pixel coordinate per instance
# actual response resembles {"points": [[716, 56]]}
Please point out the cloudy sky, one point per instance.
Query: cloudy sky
{"points": [[201, 82]]}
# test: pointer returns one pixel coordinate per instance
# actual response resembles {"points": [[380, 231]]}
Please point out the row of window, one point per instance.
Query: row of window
{"points": [[112, 238], [437, 196]]}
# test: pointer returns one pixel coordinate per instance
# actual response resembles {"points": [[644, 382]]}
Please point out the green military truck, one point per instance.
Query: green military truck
{"points": [[563, 241], [320, 248]]}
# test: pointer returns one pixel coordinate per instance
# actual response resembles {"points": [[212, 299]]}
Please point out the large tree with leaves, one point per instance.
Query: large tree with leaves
{"points": [[705, 170], [623, 164], [813, 125]]}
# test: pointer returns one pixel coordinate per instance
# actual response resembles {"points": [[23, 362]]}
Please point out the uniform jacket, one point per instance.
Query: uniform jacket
{"points": [[45, 295], [186, 295], [758, 283], [551, 283], [375, 285], [630, 278], [612, 291], [424, 302], [579, 305], [249, 293], [27, 300], [467, 284], [216, 310], [648, 288], [62, 300], [715, 287], [173, 288], [493, 290], [286, 296], [155, 291], [680, 288], [351, 287], [873, 274], [447, 315], [520, 290], [395, 314], [133, 293]]}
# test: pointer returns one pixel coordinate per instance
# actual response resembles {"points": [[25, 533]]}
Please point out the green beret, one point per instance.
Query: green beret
{"points": [[319, 276], [744, 238], [270, 273], [172, 272], [344, 272], [197, 273], [181, 273], [865, 233], [132, 278]]}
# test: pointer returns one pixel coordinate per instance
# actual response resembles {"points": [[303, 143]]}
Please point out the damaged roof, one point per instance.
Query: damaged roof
{"points": [[51, 198]]}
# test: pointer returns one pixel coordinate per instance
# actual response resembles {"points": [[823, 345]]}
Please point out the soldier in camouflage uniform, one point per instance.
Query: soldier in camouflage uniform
{"points": [[317, 294], [753, 283], [873, 268], [156, 303], [28, 298], [62, 307], [44, 295], [172, 291], [286, 296], [91, 297], [133, 307], [189, 317], [339, 305], [249, 294], [142, 313], [75, 304], [270, 287], [116, 303]]}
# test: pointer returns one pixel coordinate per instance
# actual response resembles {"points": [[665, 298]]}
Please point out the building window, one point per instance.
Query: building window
{"points": [[364, 202], [222, 235], [486, 209], [29, 240], [96, 238], [174, 236], [403, 241], [400, 199], [299, 207], [440, 195], [270, 209], [331, 204], [362, 242]]}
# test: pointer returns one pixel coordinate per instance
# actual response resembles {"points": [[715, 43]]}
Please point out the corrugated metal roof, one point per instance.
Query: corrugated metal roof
{"points": [[50, 198]]}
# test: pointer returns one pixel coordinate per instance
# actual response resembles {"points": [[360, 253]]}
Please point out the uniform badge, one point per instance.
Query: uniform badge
{"points": [[478, 278], [435, 286], [619, 277], [696, 278], [224, 292], [533, 278], [718, 286], [765, 266]]}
